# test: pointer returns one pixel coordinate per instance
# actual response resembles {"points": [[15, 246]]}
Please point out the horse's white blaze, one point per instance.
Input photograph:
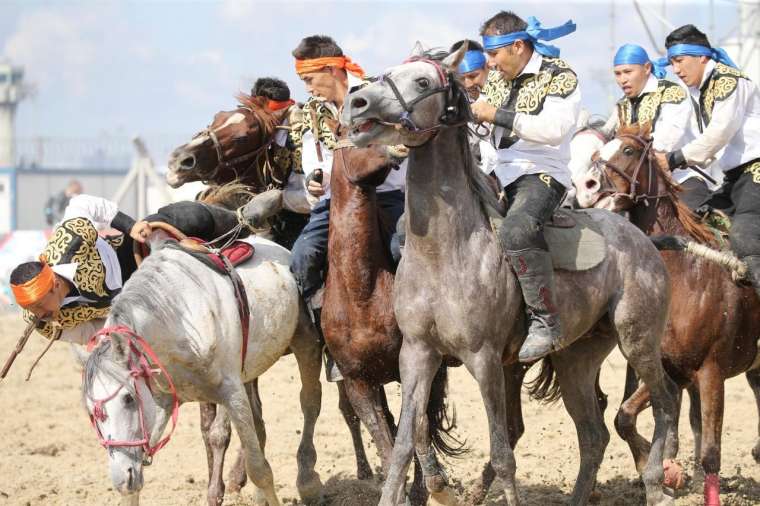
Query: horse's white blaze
{"points": [[609, 149], [232, 120]]}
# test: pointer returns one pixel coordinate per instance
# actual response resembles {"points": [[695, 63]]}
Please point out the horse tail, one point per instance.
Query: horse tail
{"points": [[230, 196], [441, 425], [680, 243], [545, 388]]}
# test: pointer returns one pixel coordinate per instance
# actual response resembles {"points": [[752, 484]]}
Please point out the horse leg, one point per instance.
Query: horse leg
{"points": [[625, 425], [237, 478], [753, 378], [577, 370], [215, 427], [305, 346], [711, 397], [258, 469], [363, 469], [418, 364], [513, 380], [695, 420]]}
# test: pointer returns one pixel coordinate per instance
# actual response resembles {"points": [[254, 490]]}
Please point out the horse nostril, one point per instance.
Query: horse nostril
{"points": [[130, 478], [591, 184], [358, 102], [187, 162]]}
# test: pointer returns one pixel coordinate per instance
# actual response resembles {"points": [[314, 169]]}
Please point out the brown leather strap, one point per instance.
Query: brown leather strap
{"points": [[315, 133], [241, 297]]}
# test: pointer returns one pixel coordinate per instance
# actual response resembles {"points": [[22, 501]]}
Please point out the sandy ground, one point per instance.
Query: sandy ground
{"points": [[49, 453]]}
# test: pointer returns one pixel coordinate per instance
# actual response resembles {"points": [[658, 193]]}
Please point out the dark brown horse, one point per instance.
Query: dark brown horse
{"points": [[240, 146], [358, 321], [714, 326]]}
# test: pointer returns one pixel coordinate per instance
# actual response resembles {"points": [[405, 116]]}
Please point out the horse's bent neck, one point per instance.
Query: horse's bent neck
{"points": [[442, 207], [658, 216], [356, 249]]}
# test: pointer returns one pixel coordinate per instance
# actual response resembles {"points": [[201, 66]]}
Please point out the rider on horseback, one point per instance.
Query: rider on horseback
{"points": [[533, 129], [473, 72], [79, 273], [652, 99], [328, 76], [728, 113]]}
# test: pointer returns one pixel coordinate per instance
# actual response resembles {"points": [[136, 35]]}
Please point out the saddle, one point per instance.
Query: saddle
{"points": [[575, 240]]}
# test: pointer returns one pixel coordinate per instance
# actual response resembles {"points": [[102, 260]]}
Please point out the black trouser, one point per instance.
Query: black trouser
{"points": [[532, 199], [739, 196], [695, 192]]}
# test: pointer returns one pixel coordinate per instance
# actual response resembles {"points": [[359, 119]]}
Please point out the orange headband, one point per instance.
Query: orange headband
{"points": [[36, 288], [317, 64], [275, 105]]}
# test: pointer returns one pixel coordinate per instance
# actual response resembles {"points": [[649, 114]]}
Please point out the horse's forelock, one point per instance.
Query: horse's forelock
{"points": [[101, 361]]}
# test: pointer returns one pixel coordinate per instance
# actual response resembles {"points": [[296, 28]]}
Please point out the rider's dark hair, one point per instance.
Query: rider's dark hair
{"points": [[471, 45], [502, 23], [317, 46], [25, 272], [687, 34], [271, 88]]}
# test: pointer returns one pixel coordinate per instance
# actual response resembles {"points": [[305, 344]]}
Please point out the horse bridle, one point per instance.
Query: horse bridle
{"points": [[232, 163], [632, 180], [448, 118]]}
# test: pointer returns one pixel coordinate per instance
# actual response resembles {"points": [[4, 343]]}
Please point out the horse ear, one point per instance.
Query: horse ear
{"points": [[417, 51], [80, 354], [453, 60], [157, 239]]}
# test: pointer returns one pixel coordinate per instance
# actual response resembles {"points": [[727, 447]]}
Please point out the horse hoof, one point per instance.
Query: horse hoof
{"points": [[674, 475], [435, 484], [310, 490], [595, 497], [756, 453]]}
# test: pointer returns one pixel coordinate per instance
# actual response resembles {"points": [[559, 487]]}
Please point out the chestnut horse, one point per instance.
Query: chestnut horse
{"points": [[240, 146], [358, 321], [713, 327]]}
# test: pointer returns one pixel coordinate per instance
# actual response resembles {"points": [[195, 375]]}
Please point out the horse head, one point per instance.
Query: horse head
{"points": [[231, 148], [121, 406], [410, 102], [622, 173]]}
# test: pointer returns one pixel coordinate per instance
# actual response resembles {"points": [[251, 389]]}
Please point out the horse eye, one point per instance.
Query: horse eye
{"points": [[423, 82], [128, 400], [240, 140], [628, 151]]}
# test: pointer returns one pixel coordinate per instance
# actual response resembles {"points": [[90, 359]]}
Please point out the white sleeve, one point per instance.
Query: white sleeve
{"points": [[96, 209], [672, 125], [309, 159], [550, 127], [727, 117], [487, 156]]}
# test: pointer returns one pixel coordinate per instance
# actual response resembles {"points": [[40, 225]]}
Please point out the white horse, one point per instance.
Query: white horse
{"points": [[188, 318]]}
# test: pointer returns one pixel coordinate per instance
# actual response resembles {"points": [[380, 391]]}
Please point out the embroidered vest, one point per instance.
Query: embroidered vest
{"points": [[73, 241], [721, 84], [646, 108], [304, 121]]}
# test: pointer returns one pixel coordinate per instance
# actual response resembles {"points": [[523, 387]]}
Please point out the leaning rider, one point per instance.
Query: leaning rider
{"points": [[533, 129], [473, 73], [728, 111], [328, 75], [652, 99], [71, 288]]}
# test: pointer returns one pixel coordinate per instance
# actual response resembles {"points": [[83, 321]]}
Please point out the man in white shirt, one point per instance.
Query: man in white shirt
{"points": [[328, 75], [473, 72], [533, 129], [651, 99], [728, 111], [79, 273]]}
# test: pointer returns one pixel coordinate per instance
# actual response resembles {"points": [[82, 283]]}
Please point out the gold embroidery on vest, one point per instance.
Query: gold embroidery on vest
{"points": [[496, 89], [754, 169], [562, 85]]}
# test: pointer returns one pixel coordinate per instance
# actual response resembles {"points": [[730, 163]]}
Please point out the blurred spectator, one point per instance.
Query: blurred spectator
{"points": [[57, 203]]}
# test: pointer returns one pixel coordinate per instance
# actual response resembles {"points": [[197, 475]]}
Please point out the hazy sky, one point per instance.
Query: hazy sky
{"points": [[162, 69]]}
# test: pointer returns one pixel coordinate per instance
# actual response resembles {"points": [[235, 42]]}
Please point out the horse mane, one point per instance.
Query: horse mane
{"points": [[688, 220], [100, 361], [258, 107], [230, 195]]}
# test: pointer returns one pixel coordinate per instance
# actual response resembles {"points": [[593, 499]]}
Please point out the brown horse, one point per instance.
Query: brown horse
{"points": [[358, 321], [239, 146], [714, 326]]}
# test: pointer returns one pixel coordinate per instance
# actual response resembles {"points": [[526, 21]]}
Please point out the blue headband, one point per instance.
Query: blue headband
{"points": [[473, 60], [631, 54], [716, 53], [533, 33]]}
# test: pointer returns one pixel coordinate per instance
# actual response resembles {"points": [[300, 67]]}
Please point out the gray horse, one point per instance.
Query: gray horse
{"points": [[456, 295]]}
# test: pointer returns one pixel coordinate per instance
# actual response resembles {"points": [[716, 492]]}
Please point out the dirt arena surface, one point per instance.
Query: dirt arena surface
{"points": [[49, 453]]}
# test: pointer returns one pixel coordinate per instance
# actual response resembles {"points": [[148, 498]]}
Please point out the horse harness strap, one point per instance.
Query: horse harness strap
{"points": [[241, 297], [315, 133]]}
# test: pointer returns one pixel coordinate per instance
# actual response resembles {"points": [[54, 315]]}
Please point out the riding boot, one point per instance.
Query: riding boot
{"points": [[535, 274], [332, 373], [753, 271]]}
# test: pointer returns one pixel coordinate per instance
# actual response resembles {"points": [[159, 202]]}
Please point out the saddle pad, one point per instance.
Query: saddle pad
{"points": [[237, 253], [577, 248]]}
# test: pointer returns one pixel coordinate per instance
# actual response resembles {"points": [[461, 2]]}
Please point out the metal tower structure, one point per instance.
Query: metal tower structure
{"points": [[12, 91]]}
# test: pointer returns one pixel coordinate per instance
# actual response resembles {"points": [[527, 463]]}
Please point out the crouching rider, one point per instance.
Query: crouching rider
{"points": [[532, 132]]}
